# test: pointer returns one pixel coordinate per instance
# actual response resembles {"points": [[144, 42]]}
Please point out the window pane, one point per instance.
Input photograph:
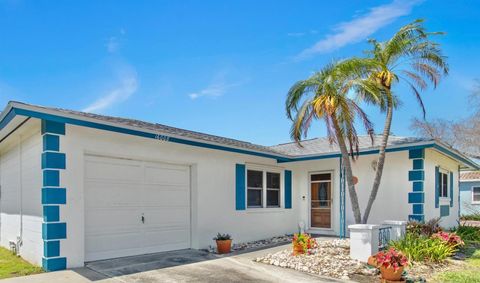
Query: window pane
{"points": [[476, 194], [476, 197], [273, 197], [254, 179], [476, 190], [321, 177], [254, 198], [273, 180]]}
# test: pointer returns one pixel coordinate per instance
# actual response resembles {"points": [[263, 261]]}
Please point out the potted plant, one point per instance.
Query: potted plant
{"points": [[224, 243], [303, 243], [391, 264]]}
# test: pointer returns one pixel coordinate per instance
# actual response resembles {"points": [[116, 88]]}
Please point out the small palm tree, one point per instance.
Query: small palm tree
{"points": [[409, 57], [325, 95]]}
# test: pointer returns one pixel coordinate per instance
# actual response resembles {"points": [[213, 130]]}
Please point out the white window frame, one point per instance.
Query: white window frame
{"points": [[447, 173], [473, 194], [264, 170]]}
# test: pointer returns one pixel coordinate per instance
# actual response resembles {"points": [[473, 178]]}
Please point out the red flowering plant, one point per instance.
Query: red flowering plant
{"points": [[451, 239], [391, 258], [303, 244]]}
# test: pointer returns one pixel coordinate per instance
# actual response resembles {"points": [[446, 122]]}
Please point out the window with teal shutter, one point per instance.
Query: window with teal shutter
{"points": [[240, 187], [437, 186], [451, 189], [288, 189]]}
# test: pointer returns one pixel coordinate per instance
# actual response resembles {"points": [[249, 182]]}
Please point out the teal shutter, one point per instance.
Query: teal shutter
{"points": [[288, 188], [451, 189], [240, 189], [437, 186]]}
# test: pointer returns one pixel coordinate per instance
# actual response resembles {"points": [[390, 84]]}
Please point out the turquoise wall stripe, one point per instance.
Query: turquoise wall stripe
{"points": [[417, 164], [437, 186], [51, 178], [54, 264], [51, 142], [51, 248], [240, 188], [54, 196], [416, 175], [52, 127], [418, 218], [417, 209], [416, 153], [444, 210], [288, 189], [51, 213], [417, 186], [53, 160], [54, 231], [416, 197], [451, 189]]}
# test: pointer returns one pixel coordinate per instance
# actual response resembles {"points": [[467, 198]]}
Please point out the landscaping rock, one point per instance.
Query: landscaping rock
{"points": [[258, 244], [331, 258]]}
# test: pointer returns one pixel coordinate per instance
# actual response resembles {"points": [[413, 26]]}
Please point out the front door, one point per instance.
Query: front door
{"points": [[320, 200]]}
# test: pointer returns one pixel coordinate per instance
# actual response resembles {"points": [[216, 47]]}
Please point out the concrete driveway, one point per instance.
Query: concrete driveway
{"points": [[178, 266]]}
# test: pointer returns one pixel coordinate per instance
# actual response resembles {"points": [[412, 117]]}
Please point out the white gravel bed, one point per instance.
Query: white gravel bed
{"points": [[331, 258]]}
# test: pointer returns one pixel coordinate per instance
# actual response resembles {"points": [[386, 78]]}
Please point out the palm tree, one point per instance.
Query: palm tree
{"points": [[409, 57], [324, 95]]}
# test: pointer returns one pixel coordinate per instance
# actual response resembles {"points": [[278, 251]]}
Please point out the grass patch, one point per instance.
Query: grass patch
{"points": [[469, 274], [13, 266]]}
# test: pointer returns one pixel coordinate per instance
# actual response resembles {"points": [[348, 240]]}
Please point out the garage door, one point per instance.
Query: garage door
{"points": [[135, 207]]}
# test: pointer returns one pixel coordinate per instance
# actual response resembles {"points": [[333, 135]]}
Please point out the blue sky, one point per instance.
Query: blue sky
{"points": [[220, 67]]}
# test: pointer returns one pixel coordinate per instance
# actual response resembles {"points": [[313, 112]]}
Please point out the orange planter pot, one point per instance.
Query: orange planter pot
{"points": [[390, 274], [372, 261], [298, 250], [224, 246]]}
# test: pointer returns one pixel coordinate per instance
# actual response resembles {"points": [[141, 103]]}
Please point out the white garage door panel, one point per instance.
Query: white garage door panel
{"points": [[119, 192]]}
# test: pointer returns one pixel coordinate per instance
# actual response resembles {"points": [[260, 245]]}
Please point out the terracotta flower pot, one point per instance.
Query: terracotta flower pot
{"points": [[372, 261], [224, 246], [390, 274], [298, 250]]}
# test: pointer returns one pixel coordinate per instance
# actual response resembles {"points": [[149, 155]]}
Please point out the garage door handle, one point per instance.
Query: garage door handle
{"points": [[143, 219]]}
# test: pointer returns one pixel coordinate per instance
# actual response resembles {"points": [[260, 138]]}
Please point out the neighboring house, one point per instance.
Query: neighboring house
{"points": [[470, 192], [78, 187]]}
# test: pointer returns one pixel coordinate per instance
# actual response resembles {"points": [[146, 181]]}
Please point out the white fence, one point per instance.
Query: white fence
{"points": [[368, 239]]}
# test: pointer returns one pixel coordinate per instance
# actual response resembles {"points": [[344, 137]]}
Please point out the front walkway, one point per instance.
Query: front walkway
{"points": [[179, 266]]}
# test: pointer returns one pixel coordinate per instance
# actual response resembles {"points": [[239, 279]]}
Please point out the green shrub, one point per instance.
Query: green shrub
{"points": [[421, 248], [468, 233]]}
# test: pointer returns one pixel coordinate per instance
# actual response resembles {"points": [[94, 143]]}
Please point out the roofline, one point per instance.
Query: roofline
{"points": [[14, 108], [469, 180]]}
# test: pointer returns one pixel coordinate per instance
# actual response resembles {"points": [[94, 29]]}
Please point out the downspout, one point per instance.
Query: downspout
{"points": [[20, 237]]}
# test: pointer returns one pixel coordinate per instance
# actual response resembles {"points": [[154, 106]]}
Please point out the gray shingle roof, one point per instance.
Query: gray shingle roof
{"points": [[323, 146], [310, 147]]}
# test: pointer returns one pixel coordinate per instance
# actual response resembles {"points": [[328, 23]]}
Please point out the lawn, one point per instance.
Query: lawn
{"points": [[469, 274], [13, 266]]}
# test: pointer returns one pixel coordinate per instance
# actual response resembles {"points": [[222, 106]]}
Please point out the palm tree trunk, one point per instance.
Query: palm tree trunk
{"points": [[348, 171], [381, 157]]}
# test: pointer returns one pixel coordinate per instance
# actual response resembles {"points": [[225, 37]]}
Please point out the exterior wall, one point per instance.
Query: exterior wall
{"points": [[213, 188], [466, 205], [391, 202], [433, 159], [20, 180]]}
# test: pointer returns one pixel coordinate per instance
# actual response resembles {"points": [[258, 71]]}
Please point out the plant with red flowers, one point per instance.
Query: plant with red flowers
{"points": [[303, 244], [392, 258], [451, 239]]}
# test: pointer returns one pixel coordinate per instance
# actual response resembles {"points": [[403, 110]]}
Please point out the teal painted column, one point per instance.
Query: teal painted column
{"points": [[417, 177], [53, 196]]}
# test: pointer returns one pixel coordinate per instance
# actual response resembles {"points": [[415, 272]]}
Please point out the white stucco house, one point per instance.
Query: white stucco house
{"points": [[79, 187]]}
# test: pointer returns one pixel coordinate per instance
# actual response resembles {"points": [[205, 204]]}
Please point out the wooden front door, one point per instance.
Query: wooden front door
{"points": [[320, 200]]}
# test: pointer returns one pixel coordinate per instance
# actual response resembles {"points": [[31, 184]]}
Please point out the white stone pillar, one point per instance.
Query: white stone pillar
{"points": [[398, 230], [363, 241]]}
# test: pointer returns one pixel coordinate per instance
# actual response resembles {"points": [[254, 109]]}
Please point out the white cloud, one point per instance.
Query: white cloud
{"points": [[126, 86], [217, 88], [361, 27], [112, 44]]}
